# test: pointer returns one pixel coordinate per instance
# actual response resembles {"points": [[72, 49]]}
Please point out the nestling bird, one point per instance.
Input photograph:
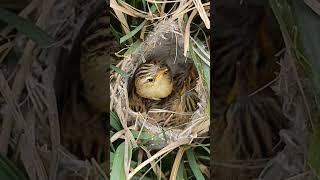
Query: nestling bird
{"points": [[153, 81], [157, 87]]}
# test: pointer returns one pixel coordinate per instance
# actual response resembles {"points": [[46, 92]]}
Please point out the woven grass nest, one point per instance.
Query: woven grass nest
{"points": [[166, 43]]}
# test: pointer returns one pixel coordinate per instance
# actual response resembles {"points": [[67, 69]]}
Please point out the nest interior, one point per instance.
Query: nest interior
{"points": [[165, 44]]}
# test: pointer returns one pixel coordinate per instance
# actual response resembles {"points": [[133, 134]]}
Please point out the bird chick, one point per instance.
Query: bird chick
{"points": [[153, 81]]}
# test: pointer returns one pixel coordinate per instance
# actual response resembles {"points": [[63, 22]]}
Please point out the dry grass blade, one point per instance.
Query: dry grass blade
{"points": [[117, 135], [127, 156], [8, 96], [166, 149], [26, 27], [187, 33], [176, 164], [156, 169], [7, 126], [119, 13], [314, 5], [101, 171], [26, 11], [202, 13]]}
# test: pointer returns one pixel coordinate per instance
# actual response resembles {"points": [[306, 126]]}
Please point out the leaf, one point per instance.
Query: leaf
{"points": [[117, 170], [181, 170], [194, 166], [27, 28], [308, 24], [133, 32], [9, 171], [201, 59], [142, 135], [133, 47], [115, 121], [119, 71]]}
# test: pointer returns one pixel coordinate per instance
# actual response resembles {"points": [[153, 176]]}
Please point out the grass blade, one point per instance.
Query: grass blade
{"points": [[119, 71], [181, 170], [9, 171], [194, 166], [201, 62], [27, 28], [115, 121], [133, 32], [117, 170], [133, 47]]}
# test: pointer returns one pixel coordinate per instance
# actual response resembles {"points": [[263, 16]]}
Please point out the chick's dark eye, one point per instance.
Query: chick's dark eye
{"points": [[150, 80]]}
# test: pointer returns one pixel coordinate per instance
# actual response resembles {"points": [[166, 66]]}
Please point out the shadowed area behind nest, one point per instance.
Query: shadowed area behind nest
{"points": [[245, 134], [83, 119], [157, 86]]}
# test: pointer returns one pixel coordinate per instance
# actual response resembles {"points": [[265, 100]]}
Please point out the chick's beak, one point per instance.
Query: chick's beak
{"points": [[160, 73]]}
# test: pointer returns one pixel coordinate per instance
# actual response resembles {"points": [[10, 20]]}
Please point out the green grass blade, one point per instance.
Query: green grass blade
{"points": [[137, 29], [308, 24], [117, 170], [194, 166], [133, 32], [9, 171], [143, 135], [115, 121], [119, 71], [200, 59], [26, 27], [111, 157], [181, 170], [133, 47]]}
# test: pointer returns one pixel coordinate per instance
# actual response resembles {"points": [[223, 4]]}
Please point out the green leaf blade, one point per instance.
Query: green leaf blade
{"points": [[27, 28], [117, 170], [115, 121], [194, 166]]}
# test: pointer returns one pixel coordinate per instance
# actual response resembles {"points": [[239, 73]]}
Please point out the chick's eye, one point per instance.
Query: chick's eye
{"points": [[150, 80]]}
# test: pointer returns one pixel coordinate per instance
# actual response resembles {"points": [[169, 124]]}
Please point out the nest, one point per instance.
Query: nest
{"points": [[165, 43]]}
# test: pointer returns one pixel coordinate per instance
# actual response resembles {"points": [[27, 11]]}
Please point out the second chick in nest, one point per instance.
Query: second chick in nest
{"points": [[156, 87]]}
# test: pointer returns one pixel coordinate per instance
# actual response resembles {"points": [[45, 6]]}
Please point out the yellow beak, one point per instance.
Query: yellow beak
{"points": [[160, 73]]}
